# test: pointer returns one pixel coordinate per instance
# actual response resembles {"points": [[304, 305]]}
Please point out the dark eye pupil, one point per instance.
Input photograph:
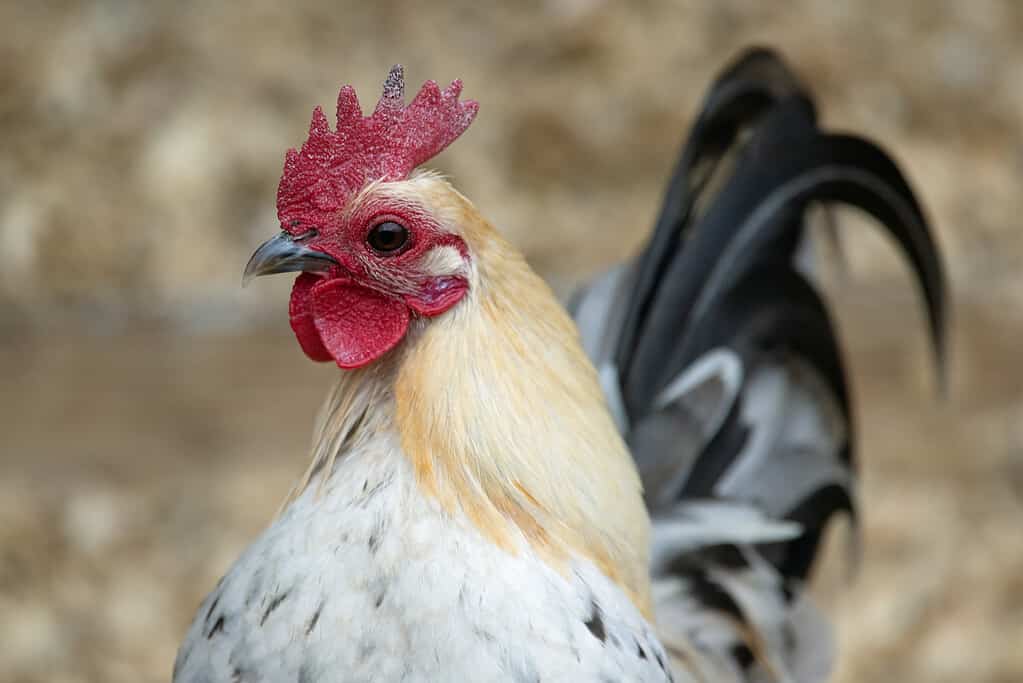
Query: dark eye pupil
{"points": [[388, 236]]}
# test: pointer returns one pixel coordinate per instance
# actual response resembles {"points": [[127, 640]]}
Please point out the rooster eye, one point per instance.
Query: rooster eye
{"points": [[387, 237]]}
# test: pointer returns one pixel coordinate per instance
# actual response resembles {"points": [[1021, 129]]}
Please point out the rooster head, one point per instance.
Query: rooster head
{"points": [[375, 248]]}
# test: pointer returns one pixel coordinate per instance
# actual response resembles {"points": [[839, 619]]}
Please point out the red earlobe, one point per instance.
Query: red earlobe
{"points": [[438, 295]]}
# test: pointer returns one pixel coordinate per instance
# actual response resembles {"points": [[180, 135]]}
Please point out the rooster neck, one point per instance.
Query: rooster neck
{"points": [[502, 418]]}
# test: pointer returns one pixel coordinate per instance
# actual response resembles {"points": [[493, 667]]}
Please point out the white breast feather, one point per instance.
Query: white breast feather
{"points": [[365, 579]]}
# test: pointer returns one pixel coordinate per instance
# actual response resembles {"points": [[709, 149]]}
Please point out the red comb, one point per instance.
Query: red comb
{"points": [[332, 166]]}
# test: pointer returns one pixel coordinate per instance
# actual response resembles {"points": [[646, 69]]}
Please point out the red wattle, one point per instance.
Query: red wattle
{"points": [[356, 325], [300, 310]]}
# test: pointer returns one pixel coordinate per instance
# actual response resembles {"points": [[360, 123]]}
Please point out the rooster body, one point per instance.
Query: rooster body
{"points": [[495, 497], [412, 557], [366, 579]]}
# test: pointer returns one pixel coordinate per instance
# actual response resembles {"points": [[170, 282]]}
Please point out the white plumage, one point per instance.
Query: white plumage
{"points": [[363, 578]]}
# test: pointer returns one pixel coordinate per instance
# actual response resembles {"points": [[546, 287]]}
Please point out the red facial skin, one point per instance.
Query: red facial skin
{"points": [[361, 308]]}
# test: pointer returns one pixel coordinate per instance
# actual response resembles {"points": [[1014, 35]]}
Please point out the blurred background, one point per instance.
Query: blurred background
{"points": [[153, 413]]}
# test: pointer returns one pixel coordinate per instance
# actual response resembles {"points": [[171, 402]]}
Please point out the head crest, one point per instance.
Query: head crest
{"points": [[332, 166]]}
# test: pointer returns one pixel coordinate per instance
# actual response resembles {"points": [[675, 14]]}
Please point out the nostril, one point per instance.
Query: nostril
{"points": [[305, 236]]}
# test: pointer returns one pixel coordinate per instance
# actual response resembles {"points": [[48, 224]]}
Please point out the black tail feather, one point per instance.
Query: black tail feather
{"points": [[737, 98], [758, 215], [720, 285]]}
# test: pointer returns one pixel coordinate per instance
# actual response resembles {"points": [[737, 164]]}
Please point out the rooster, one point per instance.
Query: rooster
{"points": [[500, 493]]}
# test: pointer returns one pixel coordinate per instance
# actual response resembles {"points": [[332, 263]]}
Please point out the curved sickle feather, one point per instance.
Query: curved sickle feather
{"points": [[757, 215], [834, 168], [737, 98]]}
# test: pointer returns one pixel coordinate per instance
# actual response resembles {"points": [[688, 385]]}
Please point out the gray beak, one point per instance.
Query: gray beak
{"points": [[281, 254]]}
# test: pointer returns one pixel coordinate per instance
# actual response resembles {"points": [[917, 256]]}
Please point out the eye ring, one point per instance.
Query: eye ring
{"points": [[387, 237]]}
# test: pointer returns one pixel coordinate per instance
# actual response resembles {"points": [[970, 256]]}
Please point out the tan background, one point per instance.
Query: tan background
{"points": [[153, 413]]}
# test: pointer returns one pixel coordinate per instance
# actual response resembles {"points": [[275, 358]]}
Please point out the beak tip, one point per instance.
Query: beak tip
{"points": [[281, 254], [247, 276], [252, 271]]}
